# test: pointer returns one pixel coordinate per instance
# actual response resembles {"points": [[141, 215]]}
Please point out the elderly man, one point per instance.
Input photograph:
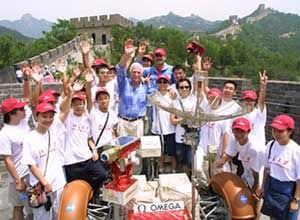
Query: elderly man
{"points": [[132, 94]]}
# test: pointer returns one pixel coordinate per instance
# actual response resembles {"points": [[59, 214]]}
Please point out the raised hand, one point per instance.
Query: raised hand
{"points": [[36, 73], [27, 71], [61, 65], [129, 48], [263, 78], [207, 63], [85, 47], [76, 72], [37, 68], [88, 76]]}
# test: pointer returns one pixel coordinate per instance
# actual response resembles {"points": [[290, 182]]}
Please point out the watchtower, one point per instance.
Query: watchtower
{"points": [[99, 27]]}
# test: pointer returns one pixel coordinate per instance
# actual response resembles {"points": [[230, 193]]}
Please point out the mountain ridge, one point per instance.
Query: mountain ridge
{"points": [[28, 25]]}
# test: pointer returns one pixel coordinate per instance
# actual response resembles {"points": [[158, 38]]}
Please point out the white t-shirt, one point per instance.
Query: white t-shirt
{"points": [[250, 156], [112, 89], [284, 161], [11, 144], [212, 134], [78, 130], [97, 120], [227, 108], [189, 105], [258, 119], [35, 153], [161, 118]]}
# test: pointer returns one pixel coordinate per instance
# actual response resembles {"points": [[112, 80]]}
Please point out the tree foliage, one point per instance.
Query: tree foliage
{"points": [[13, 50], [241, 56]]}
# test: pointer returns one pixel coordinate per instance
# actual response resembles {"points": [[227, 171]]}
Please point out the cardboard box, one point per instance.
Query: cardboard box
{"points": [[110, 194], [150, 146], [146, 191]]}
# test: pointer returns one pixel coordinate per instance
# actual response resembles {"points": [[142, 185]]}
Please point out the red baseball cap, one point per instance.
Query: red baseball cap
{"points": [[46, 97], [249, 94], [160, 51], [215, 92], [11, 104], [44, 107], [163, 76], [101, 90], [98, 62], [241, 123], [78, 95], [282, 122]]}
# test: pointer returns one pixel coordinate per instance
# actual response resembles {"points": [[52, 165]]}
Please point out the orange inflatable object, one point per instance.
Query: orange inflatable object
{"points": [[74, 200], [236, 194]]}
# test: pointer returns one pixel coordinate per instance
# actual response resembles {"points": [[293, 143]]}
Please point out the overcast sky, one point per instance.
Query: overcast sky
{"points": [[141, 9]]}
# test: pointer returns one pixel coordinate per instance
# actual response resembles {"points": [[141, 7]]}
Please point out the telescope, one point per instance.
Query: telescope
{"points": [[120, 149], [121, 189]]}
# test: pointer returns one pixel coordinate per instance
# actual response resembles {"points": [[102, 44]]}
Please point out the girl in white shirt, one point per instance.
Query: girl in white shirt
{"points": [[11, 141], [187, 103], [43, 153], [162, 125], [282, 160], [81, 156]]}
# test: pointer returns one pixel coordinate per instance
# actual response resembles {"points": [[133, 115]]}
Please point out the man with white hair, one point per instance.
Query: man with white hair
{"points": [[132, 94]]}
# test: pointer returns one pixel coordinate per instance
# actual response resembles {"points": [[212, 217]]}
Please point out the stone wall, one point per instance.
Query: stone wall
{"points": [[282, 97], [99, 27], [52, 55], [100, 21], [7, 75]]}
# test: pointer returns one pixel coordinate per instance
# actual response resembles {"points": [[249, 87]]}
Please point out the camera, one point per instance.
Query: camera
{"points": [[194, 47], [48, 203]]}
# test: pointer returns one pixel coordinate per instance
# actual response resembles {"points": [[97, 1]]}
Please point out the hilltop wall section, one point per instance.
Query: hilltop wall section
{"points": [[282, 97], [52, 55], [98, 28]]}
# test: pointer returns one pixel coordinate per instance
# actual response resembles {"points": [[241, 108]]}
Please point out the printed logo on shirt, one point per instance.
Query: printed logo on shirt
{"points": [[80, 128], [280, 162]]}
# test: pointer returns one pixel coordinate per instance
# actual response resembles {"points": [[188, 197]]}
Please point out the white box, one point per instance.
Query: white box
{"points": [[150, 146], [120, 197], [146, 191]]}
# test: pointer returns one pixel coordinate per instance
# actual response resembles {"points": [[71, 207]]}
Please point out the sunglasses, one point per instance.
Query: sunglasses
{"points": [[158, 55], [184, 87], [162, 82]]}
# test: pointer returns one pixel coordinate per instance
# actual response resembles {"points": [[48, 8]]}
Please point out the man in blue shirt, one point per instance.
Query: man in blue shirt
{"points": [[132, 94], [160, 67]]}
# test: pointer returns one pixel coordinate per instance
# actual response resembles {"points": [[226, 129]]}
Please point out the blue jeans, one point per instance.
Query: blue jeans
{"points": [[184, 154], [291, 216]]}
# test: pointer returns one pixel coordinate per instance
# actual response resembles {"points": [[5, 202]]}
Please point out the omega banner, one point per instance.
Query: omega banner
{"points": [[158, 207]]}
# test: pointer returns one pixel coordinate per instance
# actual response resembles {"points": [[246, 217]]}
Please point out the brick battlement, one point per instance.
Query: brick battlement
{"points": [[101, 21]]}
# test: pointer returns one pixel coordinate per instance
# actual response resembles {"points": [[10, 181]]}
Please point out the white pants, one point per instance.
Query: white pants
{"points": [[131, 128]]}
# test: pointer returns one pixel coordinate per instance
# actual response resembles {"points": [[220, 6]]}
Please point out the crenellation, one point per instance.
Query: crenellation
{"points": [[94, 21], [44, 57], [101, 21], [35, 60]]}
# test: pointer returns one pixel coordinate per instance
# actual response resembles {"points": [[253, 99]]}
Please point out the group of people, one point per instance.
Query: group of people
{"points": [[53, 137]]}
